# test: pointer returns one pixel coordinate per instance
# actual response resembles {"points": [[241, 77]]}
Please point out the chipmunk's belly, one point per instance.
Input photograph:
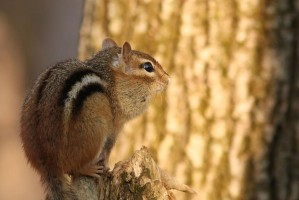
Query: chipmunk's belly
{"points": [[89, 130]]}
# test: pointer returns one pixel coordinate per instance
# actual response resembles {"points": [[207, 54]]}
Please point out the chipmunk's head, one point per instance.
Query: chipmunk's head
{"points": [[138, 65], [139, 75]]}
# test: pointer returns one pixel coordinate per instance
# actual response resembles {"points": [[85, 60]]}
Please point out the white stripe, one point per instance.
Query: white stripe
{"points": [[73, 93]]}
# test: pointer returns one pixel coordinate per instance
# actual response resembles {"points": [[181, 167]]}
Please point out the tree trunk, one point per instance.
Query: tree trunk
{"points": [[228, 123]]}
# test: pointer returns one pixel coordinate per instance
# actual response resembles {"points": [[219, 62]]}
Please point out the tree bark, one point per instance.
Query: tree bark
{"points": [[228, 122], [282, 154], [136, 178]]}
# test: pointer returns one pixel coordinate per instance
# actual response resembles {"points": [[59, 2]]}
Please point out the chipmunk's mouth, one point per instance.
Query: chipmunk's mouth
{"points": [[143, 100], [160, 87]]}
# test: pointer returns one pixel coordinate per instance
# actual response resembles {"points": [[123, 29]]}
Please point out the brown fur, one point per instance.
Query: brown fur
{"points": [[56, 143]]}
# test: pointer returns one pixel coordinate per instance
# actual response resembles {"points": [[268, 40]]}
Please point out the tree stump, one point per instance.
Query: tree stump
{"points": [[139, 177]]}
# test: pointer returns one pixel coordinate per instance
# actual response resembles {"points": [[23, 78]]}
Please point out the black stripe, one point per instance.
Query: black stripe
{"points": [[43, 83], [85, 92], [77, 76]]}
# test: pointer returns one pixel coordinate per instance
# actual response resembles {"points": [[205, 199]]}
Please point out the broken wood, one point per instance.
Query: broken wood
{"points": [[139, 177]]}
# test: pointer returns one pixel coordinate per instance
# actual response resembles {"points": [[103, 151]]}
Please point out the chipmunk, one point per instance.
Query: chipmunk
{"points": [[76, 109]]}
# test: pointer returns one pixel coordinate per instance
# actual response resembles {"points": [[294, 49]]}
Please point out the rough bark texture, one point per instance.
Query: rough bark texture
{"points": [[136, 178], [282, 154], [228, 123]]}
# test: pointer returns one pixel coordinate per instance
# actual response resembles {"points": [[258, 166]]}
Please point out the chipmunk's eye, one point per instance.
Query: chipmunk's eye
{"points": [[148, 67]]}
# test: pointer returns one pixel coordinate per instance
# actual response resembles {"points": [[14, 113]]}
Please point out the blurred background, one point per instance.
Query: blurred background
{"points": [[228, 123], [33, 35]]}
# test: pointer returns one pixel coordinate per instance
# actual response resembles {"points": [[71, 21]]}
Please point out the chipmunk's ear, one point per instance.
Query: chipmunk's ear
{"points": [[108, 43], [126, 49]]}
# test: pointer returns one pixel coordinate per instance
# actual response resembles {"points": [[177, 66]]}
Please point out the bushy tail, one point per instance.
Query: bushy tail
{"points": [[58, 188]]}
